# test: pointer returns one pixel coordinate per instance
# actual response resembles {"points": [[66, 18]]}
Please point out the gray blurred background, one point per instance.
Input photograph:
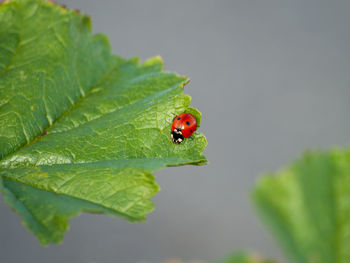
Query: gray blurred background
{"points": [[271, 79]]}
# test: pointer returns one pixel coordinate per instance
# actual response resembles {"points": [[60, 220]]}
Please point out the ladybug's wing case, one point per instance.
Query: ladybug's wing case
{"points": [[178, 122], [185, 122], [189, 125], [188, 130]]}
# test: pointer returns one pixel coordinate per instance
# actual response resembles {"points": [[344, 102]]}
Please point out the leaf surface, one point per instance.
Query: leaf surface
{"points": [[307, 207], [81, 129]]}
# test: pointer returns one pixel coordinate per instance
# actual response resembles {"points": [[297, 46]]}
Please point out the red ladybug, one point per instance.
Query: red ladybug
{"points": [[183, 126]]}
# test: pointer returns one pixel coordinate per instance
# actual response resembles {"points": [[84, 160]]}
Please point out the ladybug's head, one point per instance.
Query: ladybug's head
{"points": [[176, 136]]}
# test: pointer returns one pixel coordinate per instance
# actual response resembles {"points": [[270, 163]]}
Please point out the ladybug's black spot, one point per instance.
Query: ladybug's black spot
{"points": [[188, 123], [191, 131], [179, 118]]}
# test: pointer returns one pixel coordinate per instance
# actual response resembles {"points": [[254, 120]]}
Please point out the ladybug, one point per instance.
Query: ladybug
{"points": [[183, 126]]}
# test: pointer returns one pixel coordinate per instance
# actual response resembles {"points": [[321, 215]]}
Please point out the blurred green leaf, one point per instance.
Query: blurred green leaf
{"points": [[243, 257], [307, 207], [80, 128]]}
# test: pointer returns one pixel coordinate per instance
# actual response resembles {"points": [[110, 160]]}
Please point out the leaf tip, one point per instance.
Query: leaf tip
{"points": [[65, 9], [58, 4], [159, 57], [185, 82], [154, 62]]}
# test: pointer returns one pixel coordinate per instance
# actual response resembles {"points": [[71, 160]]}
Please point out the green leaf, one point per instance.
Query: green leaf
{"points": [[307, 207], [80, 128], [243, 257]]}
